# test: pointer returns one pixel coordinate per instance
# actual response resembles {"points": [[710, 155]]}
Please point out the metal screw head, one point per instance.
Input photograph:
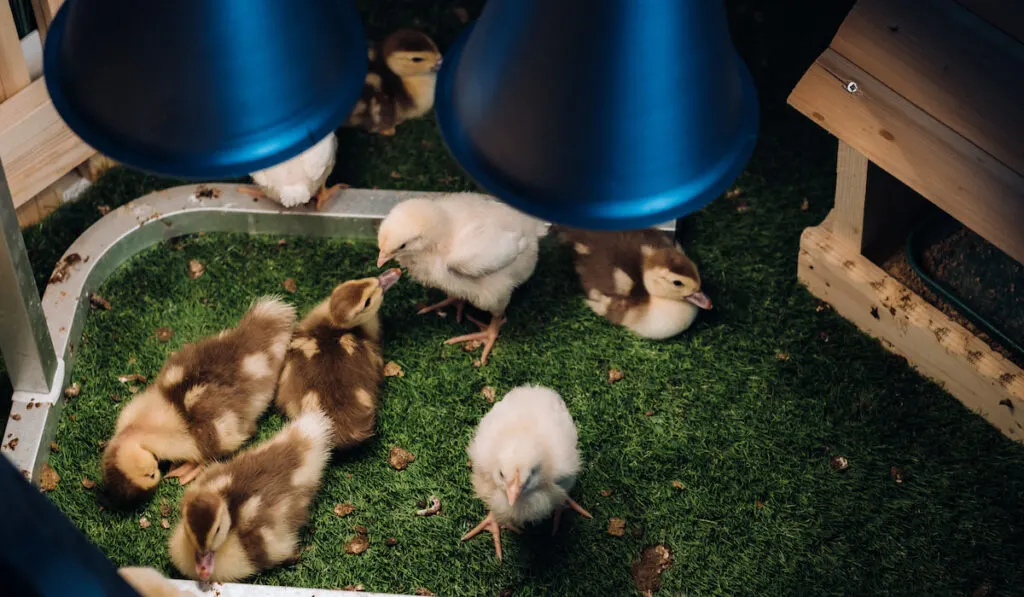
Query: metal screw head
{"points": [[852, 87]]}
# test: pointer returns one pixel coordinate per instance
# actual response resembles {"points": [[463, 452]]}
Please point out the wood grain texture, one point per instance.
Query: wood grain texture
{"points": [[36, 147], [13, 69], [929, 157], [946, 61], [982, 379], [44, 11]]}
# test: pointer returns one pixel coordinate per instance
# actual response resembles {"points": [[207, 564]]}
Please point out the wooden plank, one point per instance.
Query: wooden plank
{"points": [[36, 147], [982, 379], [851, 196], [1007, 15], [44, 11], [962, 179], [946, 61], [13, 69]]}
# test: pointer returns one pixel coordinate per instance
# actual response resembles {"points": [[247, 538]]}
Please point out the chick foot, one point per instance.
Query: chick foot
{"points": [[325, 193], [488, 334], [491, 525], [186, 472], [252, 192], [460, 304], [558, 513]]}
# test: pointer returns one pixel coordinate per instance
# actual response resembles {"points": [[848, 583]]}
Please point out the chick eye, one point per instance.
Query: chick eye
{"points": [[417, 59], [367, 303], [677, 283], [402, 246]]}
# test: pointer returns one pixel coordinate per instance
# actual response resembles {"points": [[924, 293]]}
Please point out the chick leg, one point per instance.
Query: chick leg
{"points": [[558, 513], [252, 192], [488, 334], [325, 193], [491, 525], [185, 472], [460, 304]]}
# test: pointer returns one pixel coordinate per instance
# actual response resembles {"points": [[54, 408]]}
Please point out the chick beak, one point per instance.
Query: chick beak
{"points": [[388, 278], [437, 65], [204, 565], [383, 258], [700, 299], [512, 489]]}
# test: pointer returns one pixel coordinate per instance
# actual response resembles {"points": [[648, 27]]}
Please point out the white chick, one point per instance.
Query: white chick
{"points": [[525, 461], [294, 181], [472, 247]]}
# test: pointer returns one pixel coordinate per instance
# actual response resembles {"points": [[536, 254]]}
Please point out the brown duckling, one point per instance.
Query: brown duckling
{"points": [[334, 361], [639, 279], [244, 515], [203, 405], [400, 83]]}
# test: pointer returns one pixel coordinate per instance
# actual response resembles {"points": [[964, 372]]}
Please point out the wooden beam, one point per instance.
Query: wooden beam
{"points": [[13, 69], [982, 379], [1007, 15], [44, 11], [947, 62], [851, 196], [929, 157], [36, 147]]}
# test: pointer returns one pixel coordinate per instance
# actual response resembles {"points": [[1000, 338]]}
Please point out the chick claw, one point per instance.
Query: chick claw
{"points": [[460, 304], [185, 472], [491, 525], [488, 334], [325, 193], [558, 513]]}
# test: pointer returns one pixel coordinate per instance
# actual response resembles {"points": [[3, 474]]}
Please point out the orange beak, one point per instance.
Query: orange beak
{"points": [[512, 489], [383, 258]]}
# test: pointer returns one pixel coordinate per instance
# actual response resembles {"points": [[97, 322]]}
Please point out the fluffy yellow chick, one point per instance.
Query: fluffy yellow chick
{"points": [[244, 516], [400, 83], [472, 247], [295, 181], [203, 405], [147, 582], [639, 279], [525, 461], [334, 362]]}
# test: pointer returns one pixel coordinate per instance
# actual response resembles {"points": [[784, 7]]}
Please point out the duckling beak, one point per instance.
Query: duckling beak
{"points": [[383, 258], [512, 489], [437, 65], [204, 565], [388, 278], [700, 299]]}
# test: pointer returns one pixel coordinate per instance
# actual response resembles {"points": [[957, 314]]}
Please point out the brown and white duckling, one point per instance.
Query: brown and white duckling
{"points": [[400, 83], [334, 363], [203, 405], [244, 515], [639, 279]]}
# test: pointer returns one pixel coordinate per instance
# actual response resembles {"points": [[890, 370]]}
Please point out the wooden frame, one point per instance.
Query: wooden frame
{"points": [[36, 147], [926, 91]]}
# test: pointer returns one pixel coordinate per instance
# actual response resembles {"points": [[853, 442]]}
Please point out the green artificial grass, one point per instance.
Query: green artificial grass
{"points": [[716, 443]]}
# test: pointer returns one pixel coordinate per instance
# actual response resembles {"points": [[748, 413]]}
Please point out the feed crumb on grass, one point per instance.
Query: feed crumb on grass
{"points": [[782, 356], [357, 545], [73, 390], [88, 483], [343, 510], [165, 508], [471, 345], [839, 463], [488, 393], [679, 485], [290, 285], [391, 542], [164, 334], [98, 302], [354, 588], [423, 591], [54, 447], [165, 523], [897, 474], [393, 369], [48, 478], [434, 508], [144, 523], [399, 459], [606, 492], [614, 375], [647, 570], [616, 527], [131, 377], [805, 205], [195, 269]]}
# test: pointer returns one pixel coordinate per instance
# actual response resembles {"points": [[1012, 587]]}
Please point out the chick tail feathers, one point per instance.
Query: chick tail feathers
{"points": [[271, 314], [294, 194], [317, 428]]}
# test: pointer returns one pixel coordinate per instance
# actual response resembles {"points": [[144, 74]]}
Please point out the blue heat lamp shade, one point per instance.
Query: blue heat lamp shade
{"points": [[600, 114], [204, 88]]}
